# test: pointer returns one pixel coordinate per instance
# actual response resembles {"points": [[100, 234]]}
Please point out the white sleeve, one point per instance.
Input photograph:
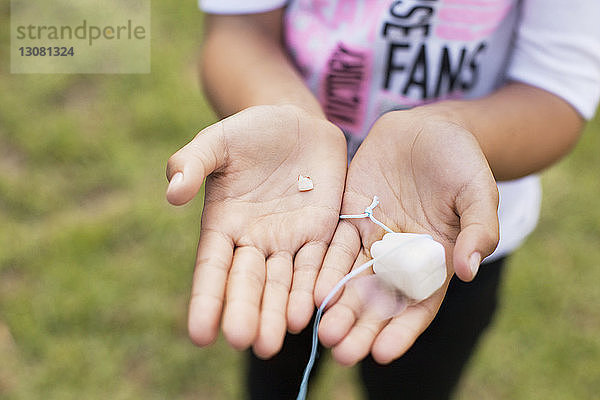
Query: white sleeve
{"points": [[557, 48], [239, 6]]}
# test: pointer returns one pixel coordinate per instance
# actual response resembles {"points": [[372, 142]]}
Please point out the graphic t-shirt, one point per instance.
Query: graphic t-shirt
{"points": [[362, 59]]}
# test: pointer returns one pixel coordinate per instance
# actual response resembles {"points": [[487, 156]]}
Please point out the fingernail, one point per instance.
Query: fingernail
{"points": [[175, 180], [474, 262]]}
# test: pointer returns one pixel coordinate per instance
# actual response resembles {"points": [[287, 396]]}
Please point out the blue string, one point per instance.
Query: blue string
{"points": [[315, 336]]}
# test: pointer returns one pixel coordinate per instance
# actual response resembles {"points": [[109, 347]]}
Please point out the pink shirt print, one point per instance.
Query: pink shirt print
{"points": [[363, 58]]}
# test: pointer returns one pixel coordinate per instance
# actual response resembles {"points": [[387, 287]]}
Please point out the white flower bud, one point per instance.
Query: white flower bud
{"points": [[413, 263]]}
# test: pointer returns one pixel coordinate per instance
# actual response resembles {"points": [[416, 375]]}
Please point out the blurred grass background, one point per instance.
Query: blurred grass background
{"points": [[95, 267]]}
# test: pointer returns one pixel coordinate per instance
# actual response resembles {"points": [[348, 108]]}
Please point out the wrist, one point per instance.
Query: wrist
{"points": [[451, 111], [431, 118], [322, 129], [305, 108], [422, 131]]}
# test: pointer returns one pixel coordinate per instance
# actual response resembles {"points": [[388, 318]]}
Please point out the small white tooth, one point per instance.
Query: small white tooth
{"points": [[305, 183]]}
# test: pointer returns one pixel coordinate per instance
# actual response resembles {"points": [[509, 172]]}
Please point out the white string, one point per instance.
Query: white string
{"points": [[315, 336], [369, 214]]}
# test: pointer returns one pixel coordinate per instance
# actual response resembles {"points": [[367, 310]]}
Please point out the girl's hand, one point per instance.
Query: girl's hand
{"points": [[262, 241], [431, 177]]}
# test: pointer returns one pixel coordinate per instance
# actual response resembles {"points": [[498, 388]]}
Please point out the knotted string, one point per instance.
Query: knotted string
{"points": [[369, 214], [315, 336]]}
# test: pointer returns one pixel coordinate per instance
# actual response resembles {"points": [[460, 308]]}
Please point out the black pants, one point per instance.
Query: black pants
{"points": [[429, 370]]}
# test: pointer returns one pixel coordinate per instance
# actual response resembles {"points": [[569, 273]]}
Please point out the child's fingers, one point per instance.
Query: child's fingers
{"points": [[272, 326], [386, 339], [243, 297], [301, 305], [339, 259], [188, 167], [356, 345], [341, 316], [402, 331], [213, 261]]}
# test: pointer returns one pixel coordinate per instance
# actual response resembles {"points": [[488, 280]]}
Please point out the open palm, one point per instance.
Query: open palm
{"points": [[262, 241], [431, 177]]}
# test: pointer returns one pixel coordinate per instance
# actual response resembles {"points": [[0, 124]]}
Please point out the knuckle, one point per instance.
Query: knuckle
{"points": [[172, 165]]}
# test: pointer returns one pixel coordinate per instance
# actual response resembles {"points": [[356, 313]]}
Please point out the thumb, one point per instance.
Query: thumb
{"points": [[479, 231], [188, 167]]}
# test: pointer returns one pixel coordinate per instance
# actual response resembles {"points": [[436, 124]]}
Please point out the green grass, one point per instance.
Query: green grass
{"points": [[545, 343], [95, 267]]}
